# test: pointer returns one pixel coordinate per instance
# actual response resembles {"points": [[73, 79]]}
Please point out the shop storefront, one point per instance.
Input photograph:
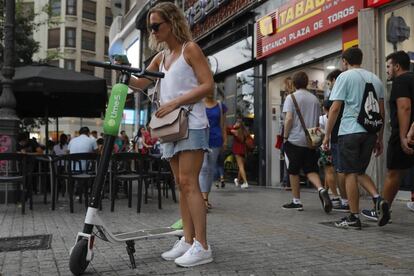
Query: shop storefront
{"points": [[224, 31], [301, 36]]}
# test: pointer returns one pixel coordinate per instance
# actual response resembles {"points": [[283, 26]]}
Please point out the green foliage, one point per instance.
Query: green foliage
{"points": [[31, 124]]}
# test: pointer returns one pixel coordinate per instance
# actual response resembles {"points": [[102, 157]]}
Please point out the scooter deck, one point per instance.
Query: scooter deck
{"points": [[149, 233]]}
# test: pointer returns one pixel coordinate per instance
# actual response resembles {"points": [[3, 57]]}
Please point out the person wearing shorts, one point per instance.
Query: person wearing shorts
{"points": [[355, 144], [298, 156], [187, 80]]}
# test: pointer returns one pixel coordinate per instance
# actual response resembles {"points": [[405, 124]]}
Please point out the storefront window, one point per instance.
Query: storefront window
{"points": [[238, 53], [245, 94], [237, 91]]}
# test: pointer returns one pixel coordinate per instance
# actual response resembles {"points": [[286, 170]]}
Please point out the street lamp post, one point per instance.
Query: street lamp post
{"points": [[9, 122]]}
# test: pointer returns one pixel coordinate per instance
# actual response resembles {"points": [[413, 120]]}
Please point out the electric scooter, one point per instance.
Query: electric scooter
{"points": [[82, 252]]}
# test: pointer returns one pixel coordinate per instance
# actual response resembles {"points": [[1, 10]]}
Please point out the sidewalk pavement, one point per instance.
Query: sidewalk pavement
{"points": [[249, 232]]}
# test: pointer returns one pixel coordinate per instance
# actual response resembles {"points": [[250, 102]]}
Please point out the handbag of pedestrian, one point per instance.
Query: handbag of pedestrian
{"points": [[173, 126]]}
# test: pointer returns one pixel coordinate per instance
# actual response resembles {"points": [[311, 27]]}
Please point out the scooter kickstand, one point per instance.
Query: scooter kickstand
{"points": [[131, 250]]}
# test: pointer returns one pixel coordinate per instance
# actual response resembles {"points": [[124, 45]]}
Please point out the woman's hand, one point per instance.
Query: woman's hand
{"points": [[166, 108]]}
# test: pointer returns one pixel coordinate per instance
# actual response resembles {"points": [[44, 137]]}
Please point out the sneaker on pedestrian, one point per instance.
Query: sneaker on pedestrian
{"points": [[410, 205], [336, 202], [293, 206], [222, 183], [325, 200], [383, 212], [245, 185], [179, 248], [236, 182], [341, 208], [370, 214], [349, 222], [196, 255]]}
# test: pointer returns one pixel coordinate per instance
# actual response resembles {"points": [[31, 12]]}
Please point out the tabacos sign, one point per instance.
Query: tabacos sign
{"points": [[300, 20]]}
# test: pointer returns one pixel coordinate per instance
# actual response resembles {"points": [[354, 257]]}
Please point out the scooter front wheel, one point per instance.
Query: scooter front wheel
{"points": [[77, 261]]}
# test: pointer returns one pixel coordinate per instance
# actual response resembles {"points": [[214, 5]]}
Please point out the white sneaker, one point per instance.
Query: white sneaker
{"points": [[236, 182], [179, 248], [410, 205], [245, 185], [196, 255]]}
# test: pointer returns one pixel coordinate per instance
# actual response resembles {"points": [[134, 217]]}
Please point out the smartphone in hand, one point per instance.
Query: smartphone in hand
{"points": [[120, 59]]}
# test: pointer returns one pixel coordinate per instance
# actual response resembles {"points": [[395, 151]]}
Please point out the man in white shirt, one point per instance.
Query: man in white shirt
{"points": [[82, 143]]}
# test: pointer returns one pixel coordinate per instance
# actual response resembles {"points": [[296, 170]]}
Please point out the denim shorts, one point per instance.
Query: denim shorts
{"points": [[197, 140], [355, 152]]}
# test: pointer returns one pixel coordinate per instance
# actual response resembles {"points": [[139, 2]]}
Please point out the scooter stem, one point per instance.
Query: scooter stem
{"points": [[113, 117]]}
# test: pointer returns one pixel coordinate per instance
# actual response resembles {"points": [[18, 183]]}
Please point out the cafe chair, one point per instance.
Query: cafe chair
{"points": [[14, 169]]}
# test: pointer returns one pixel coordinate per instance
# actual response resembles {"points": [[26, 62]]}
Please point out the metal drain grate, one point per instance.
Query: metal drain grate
{"points": [[23, 243]]}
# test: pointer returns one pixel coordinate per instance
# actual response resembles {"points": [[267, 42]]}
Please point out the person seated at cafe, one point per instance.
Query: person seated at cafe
{"points": [[82, 143], [61, 148], [26, 145]]}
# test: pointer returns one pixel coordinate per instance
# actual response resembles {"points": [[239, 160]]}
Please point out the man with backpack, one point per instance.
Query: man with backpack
{"points": [[360, 132], [400, 154]]}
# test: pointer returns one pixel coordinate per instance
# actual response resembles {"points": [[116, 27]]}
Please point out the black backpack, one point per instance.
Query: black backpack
{"points": [[369, 115]]}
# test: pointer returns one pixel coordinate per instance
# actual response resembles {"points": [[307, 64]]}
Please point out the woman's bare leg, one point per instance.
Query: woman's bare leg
{"points": [[188, 224], [240, 164], [190, 163]]}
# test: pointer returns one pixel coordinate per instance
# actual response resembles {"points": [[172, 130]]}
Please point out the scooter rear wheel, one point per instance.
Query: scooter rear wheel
{"points": [[77, 261]]}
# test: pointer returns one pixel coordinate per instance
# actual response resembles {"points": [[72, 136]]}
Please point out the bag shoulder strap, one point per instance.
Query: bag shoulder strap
{"points": [[302, 122], [156, 95]]}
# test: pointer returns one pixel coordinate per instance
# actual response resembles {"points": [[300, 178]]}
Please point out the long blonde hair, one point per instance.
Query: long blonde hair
{"points": [[172, 15]]}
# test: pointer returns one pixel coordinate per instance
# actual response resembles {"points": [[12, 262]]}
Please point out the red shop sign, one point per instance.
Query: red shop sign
{"points": [[377, 3], [300, 20]]}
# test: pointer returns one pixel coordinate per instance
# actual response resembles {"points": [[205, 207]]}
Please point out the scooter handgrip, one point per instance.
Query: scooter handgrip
{"points": [[99, 63], [153, 74]]}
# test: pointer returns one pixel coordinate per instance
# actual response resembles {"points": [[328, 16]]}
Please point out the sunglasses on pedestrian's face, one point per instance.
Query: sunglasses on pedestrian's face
{"points": [[155, 26]]}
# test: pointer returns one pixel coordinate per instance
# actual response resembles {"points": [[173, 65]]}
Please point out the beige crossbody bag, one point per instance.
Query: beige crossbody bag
{"points": [[172, 127]]}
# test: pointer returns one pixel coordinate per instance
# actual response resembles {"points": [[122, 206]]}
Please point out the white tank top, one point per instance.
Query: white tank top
{"points": [[179, 80]]}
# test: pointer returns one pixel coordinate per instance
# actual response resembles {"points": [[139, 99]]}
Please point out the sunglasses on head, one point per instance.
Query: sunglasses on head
{"points": [[155, 26]]}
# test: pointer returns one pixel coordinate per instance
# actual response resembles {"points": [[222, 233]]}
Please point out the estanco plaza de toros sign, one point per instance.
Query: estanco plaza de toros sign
{"points": [[300, 20]]}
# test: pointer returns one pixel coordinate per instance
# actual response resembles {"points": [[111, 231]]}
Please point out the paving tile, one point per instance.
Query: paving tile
{"points": [[249, 233]]}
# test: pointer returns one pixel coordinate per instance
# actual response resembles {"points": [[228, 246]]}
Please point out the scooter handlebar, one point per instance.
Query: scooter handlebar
{"points": [[135, 71], [153, 74]]}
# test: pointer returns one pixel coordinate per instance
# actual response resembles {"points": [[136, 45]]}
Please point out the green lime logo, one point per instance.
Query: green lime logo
{"points": [[111, 122]]}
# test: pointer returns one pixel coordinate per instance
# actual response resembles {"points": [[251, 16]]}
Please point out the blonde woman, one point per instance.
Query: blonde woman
{"points": [[187, 81]]}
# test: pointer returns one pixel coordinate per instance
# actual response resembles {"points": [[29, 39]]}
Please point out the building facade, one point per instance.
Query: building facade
{"points": [[78, 33]]}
